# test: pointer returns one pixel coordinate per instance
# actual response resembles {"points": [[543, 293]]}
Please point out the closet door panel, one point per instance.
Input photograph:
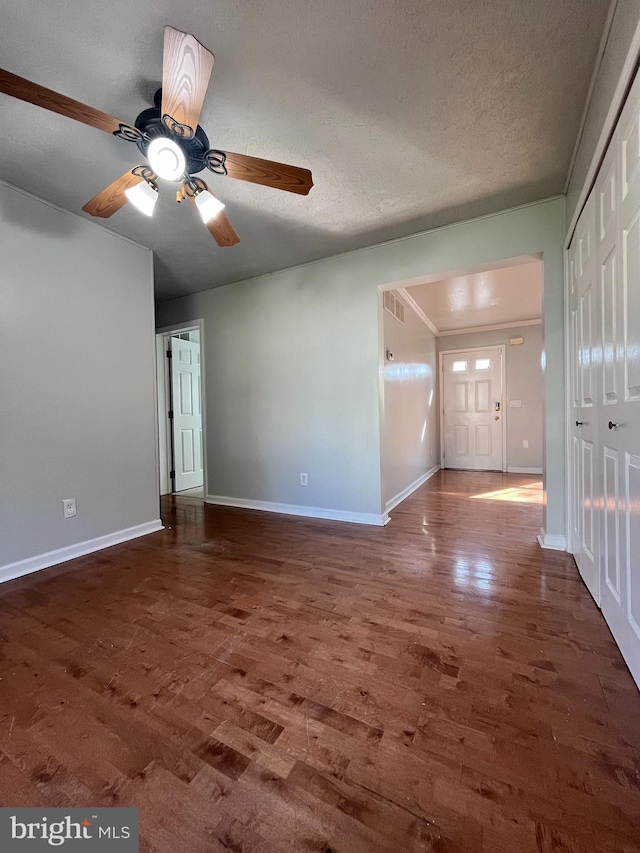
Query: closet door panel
{"points": [[611, 539], [632, 536], [618, 411], [584, 378]]}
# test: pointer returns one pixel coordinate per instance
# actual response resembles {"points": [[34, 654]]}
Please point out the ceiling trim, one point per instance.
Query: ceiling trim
{"points": [[493, 328], [394, 285], [418, 310]]}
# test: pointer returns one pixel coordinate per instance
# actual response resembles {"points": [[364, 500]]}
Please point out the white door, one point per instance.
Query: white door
{"points": [[618, 261], [473, 409], [187, 415], [585, 345]]}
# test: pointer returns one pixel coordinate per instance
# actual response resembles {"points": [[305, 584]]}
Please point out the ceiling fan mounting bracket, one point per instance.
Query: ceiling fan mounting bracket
{"points": [[128, 133], [193, 186], [180, 131], [148, 174], [215, 161]]}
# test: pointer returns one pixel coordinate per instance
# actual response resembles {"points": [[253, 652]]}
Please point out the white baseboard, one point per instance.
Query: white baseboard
{"points": [[514, 469], [393, 503], [552, 541], [10, 571], [303, 511]]}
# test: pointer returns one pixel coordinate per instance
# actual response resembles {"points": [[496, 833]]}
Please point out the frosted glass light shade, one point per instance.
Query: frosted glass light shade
{"points": [[166, 158], [143, 197], [208, 205]]}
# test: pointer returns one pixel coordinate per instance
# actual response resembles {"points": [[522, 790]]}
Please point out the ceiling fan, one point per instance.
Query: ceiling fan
{"points": [[170, 138]]}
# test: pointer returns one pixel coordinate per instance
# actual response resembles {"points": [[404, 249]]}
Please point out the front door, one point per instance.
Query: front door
{"points": [[473, 406], [187, 415]]}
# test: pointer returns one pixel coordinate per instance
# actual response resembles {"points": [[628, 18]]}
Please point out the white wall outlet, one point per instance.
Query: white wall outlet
{"points": [[525, 442], [304, 480], [69, 508]]}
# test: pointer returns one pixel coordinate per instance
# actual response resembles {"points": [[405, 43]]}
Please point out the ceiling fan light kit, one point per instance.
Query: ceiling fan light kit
{"points": [[166, 158], [169, 136], [208, 205], [143, 197]]}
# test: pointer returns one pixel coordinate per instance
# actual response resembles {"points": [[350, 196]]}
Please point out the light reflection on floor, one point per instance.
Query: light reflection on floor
{"points": [[529, 494], [478, 573]]}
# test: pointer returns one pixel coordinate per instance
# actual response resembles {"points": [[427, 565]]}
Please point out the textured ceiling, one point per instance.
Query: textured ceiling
{"points": [[509, 294], [410, 114]]}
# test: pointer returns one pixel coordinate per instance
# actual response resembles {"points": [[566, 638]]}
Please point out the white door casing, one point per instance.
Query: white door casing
{"points": [[584, 347], [472, 383], [187, 414]]}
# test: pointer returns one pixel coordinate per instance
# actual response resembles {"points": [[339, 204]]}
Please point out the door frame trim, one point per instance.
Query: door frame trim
{"points": [[568, 401], [503, 426], [161, 374]]}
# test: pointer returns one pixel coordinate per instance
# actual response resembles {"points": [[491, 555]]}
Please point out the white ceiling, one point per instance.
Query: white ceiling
{"points": [[410, 114], [509, 294]]}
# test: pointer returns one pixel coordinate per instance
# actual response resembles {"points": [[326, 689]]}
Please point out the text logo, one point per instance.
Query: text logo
{"points": [[74, 830]]}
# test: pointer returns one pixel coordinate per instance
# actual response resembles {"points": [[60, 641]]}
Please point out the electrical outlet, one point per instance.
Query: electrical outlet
{"points": [[304, 480], [525, 442], [69, 508]]}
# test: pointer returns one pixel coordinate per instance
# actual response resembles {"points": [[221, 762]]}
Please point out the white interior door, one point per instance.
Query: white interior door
{"points": [[585, 344], [472, 395], [187, 414], [618, 262]]}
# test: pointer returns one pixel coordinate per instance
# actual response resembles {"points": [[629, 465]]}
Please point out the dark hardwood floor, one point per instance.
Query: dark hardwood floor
{"points": [[255, 682]]}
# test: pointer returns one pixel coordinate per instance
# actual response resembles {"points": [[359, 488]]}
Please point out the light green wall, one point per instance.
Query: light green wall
{"points": [[410, 423], [292, 362], [77, 418], [291, 386]]}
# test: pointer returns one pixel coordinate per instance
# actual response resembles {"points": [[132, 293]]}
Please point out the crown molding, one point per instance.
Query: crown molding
{"points": [[495, 327], [417, 310]]}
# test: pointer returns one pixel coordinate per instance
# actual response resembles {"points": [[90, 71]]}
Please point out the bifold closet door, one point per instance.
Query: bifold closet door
{"points": [[584, 343], [618, 449]]}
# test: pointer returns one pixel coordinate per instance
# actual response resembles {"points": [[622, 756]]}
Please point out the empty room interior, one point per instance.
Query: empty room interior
{"points": [[320, 426]]}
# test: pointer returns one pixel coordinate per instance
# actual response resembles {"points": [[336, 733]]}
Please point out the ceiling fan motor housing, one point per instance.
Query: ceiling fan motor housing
{"points": [[151, 126]]}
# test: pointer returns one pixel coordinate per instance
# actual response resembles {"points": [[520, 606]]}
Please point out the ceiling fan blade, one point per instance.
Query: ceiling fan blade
{"points": [[186, 69], [112, 198], [25, 90], [270, 174], [220, 228]]}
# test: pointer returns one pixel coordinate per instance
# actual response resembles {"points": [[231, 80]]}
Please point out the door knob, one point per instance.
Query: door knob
{"points": [[579, 423], [612, 425], [496, 418]]}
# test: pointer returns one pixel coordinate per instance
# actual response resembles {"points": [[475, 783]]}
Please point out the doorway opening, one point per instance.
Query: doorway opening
{"points": [[461, 376], [181, 410]]}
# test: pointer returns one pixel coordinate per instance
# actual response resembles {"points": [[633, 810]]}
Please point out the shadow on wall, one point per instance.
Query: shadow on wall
{"points": [[44, 226]]}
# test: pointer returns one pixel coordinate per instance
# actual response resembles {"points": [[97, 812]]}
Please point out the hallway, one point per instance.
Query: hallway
{"points": [[258, 682]]}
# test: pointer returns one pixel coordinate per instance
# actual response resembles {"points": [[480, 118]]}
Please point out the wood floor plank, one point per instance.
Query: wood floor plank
{"points": [[265, 683]]}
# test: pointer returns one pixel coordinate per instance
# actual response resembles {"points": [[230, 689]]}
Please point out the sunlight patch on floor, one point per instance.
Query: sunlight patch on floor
{"points": [[530, 494]]}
